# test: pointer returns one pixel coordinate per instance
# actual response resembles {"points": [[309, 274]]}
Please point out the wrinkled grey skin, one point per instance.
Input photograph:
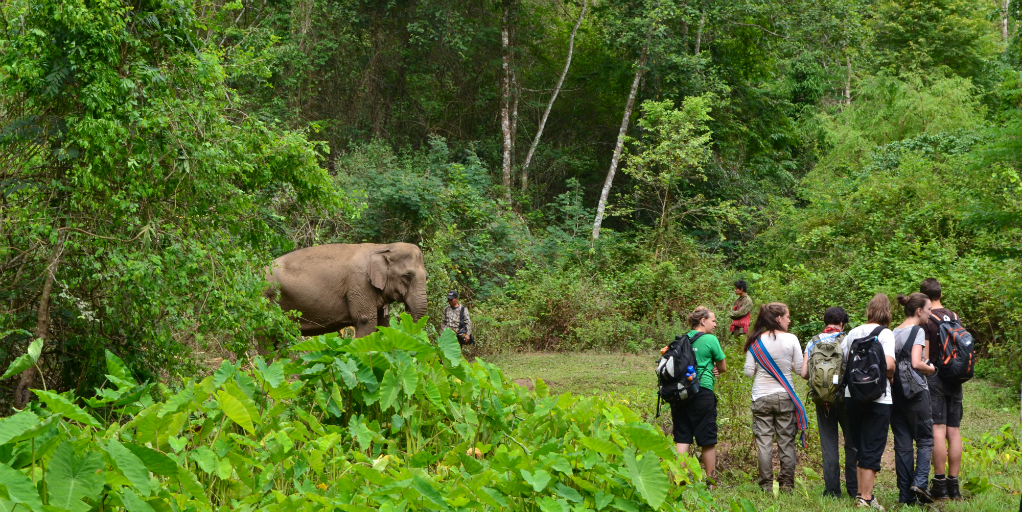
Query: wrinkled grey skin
{"points": [[341, 285]]}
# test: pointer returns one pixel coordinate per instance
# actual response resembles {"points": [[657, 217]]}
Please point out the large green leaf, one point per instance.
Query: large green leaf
{"points": [[20, 488], [449, 344], [14, 426], [492, 497], [236, 391], [647, 477], [549, 504], [429, 492], [410, 379], [69, 479], [389, 389], [234, 410], [117, 368], [133, 502], [601, 445], [155, 461], [273, 375], [26, 360], [130, 466], [61, 405], [538, 480], [225, 372], [347, 368], [176, 402], [190, 484]]}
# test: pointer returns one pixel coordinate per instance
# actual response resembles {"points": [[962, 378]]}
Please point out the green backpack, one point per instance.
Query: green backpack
{"points": [[825, 368]]}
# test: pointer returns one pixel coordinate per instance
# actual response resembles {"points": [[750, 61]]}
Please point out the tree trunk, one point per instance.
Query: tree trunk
{"points": [[551, 102], [700, 31], [506, 93], [618, 142], [22, 395], [1005, 16], [846, 86]]}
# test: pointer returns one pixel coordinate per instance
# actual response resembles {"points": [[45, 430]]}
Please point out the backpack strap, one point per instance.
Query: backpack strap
{"points": [[909, 344], [462, 319], [764, 359], [876, 331]]}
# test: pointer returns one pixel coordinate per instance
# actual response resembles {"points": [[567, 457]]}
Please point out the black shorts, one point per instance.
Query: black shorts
{"points": [[696, 417], [869, 430], [947, 402]]}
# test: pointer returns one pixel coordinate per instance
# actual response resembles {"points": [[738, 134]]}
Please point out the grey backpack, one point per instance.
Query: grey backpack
{"points": [[825, 368], [910, 381]]}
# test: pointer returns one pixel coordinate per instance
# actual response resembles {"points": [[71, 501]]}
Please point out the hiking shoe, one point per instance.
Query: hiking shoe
{"points": [[938, 491], [922, 494], [872, 503], [953, 487]]}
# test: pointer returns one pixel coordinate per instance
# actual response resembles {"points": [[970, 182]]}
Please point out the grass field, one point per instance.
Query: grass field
{"points": [[988, 410]]}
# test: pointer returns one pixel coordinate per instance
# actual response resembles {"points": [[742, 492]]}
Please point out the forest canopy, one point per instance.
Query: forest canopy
{"points": [[582, 172]]}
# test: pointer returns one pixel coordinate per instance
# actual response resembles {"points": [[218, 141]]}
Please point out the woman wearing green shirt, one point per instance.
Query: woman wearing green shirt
{"points": [[698, 416]]}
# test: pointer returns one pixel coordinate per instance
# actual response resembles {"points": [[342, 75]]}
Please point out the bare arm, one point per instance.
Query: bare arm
{"points": [[890, 367], [720, 366], [749, 366], [917, 363], [804, 369]]}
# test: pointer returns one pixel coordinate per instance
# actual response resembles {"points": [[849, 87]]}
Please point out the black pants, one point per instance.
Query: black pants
{"points": [[912, 424], [830, 420], [869, 431]]}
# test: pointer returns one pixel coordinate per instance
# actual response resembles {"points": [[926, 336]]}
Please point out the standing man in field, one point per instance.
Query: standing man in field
{"points": [[947, 404], [740, 313], [456, 318]]}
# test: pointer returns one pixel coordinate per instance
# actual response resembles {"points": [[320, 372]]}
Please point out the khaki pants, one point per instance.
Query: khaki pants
{"points": [[775, 417]]}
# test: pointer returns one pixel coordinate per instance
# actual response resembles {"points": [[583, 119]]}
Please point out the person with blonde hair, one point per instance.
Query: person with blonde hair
{"points": [[869, 419], [772, 354], [697, 417]]}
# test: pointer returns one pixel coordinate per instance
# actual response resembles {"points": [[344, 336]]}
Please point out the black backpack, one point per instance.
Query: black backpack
{"points": [[909, 381], [673, 384], [865, 368], [956, 347]]}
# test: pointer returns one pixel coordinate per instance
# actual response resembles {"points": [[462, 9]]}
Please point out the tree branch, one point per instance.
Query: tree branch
{"points": [[756, 26]]}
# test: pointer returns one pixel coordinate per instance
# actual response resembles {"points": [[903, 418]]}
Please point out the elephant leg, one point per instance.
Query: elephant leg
{"points": [[365, 327], [382, 316]]}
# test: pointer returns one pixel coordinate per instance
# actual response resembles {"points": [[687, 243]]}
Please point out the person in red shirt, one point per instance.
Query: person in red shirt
{"points": [[740, 313]]}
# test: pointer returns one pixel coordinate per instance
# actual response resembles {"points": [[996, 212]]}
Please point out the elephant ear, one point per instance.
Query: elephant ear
{"points": [[377, 269]]}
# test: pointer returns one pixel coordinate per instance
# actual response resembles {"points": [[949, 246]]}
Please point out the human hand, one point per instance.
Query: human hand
{"points": [[714, 371]]}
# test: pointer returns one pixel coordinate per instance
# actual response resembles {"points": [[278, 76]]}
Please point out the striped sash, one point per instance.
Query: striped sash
{"points": [[763, 358]]}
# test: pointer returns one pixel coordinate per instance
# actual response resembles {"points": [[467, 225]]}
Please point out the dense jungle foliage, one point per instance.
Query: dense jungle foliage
{"points": [[155, 155]]}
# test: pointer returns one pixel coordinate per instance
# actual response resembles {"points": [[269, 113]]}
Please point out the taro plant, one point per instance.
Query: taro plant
{"points": [[392, 421]]}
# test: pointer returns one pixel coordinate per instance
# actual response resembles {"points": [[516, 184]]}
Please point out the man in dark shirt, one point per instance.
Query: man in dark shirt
{"points": [[947, 404]]}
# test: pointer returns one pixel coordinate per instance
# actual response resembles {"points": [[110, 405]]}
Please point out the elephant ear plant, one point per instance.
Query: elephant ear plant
{"points": [[391, 421]]}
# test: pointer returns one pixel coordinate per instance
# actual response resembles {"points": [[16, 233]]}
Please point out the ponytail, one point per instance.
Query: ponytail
{"points": [[767, 320], [913, 302]]}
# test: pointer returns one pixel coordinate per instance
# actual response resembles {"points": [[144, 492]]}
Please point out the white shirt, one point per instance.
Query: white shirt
{"points": [[785, 350], [888, 341]]}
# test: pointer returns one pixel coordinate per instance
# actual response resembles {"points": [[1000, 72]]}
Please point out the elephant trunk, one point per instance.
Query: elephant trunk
{"points": [[416, 302]]}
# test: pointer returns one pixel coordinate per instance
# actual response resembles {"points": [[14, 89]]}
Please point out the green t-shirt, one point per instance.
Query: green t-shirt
{"points": [[708, 351]]}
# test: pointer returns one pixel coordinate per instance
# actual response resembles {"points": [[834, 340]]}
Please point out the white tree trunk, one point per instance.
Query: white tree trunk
{"points": [[506, 93], [618, 142], [849, 75], [558, 87], [700, 31], [1005, 14]]}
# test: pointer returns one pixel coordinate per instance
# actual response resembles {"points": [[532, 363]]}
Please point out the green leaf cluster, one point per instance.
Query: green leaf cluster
{"points": [[390, 421]]}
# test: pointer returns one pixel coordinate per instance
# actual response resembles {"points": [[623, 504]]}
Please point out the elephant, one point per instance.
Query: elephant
{"points": [[348, 285]]}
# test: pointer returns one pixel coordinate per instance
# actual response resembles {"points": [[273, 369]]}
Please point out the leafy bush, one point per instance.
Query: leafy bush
{"points": [[389, 421]]}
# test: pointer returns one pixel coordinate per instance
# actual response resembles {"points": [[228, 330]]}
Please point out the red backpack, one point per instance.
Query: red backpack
{"points": [[956, 349]]}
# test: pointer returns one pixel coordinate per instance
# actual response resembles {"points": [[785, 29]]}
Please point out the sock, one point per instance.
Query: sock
{"points": [[940, 477], [951, 476]]}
